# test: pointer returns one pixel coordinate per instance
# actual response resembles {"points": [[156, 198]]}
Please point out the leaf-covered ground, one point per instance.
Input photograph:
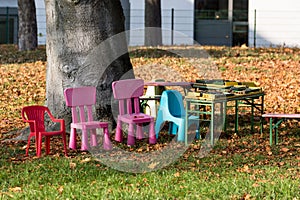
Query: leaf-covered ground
{"points": [[276, 70], [241, 166]]}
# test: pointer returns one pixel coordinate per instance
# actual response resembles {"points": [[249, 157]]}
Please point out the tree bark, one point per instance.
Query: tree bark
{"points": [[153, 34], [84, 50], [27, 34]]}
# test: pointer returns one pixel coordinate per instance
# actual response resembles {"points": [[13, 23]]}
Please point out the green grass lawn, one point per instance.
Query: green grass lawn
{"points": [[237, 168], [240, 166]]}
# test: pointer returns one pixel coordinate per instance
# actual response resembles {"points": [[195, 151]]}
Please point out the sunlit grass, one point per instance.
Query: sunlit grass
{"points": [[240, 166], [225, 173]]}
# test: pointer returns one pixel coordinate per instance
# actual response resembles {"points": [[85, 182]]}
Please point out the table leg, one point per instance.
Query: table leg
{"points": [[261, 113], [252, 116], [186, 122], [271, 129], [236, 116], [224, 115], [276, 135], [276, 125], [212, 124]]}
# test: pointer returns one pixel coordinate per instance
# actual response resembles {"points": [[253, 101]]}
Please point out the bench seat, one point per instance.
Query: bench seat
{"points": [[277, 119]]}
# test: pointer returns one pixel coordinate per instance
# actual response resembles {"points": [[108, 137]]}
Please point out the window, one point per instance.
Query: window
{"points": [[211, 9], [8, 25], [6, 30]]}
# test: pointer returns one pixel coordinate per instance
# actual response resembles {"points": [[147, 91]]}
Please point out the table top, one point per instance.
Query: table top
{"points": [[167, 83], [224, 98], [281, 115], [153, 97]]}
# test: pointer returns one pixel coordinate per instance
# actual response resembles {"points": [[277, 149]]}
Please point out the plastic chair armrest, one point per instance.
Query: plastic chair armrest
{"points": [[61, 121]]}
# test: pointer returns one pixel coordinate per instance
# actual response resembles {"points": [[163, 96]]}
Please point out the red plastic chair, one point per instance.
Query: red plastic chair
{"points": [[35, 116], [129, 91], [83, 99]]}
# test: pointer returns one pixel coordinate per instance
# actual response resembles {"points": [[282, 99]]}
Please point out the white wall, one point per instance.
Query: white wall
{"points": [[183, 21], [14, 3], [277, 22], [41, 21], [9, 3]]}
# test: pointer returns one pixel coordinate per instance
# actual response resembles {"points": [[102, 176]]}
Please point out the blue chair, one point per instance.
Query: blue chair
{"points": [[171, 109]]}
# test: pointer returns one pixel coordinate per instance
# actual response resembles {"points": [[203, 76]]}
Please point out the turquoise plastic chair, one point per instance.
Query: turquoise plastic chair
{"points": [[171, 109]]}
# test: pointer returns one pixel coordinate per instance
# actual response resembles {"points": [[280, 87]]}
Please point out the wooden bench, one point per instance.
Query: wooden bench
{"points": [[277, 119]]}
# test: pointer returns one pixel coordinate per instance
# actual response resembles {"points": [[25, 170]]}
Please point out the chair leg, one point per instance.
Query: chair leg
{"points": [[195, 121], [28, 145], [130, 137], [47, 142], [158, 123], [106, 140], [72, 142], [64, 139], [198, 136], [84, 140], [174, 128], [152, 135], [93, 138], [39, 145], [139, 131], [119, 132]]}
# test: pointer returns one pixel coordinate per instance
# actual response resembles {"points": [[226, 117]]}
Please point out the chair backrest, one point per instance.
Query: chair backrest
{"points": [[172, 100], [82, 98], [128, 92], [36, 113]]}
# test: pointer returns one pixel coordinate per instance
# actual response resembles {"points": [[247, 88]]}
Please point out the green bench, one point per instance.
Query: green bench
{"points": [[275, 121]]}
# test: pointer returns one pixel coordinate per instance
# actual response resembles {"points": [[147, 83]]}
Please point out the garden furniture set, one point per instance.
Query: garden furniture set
{"points": [[197, 104]]}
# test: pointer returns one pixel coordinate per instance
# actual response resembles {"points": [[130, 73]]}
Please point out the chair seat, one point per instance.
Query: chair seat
{"points": [[52, 133], [89, 125], [136, 118]]}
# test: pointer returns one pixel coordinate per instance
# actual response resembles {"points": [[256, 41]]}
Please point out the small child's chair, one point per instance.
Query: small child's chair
{"points": [[171, 109], [83, 99], [128, 93], [35, 116]]}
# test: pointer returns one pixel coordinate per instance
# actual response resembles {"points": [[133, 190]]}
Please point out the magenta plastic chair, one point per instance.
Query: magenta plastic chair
{"points": [[35, 116], [83, 99], [128, 93]]}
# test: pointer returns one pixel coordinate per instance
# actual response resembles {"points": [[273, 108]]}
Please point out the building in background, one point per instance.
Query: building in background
{"points": [[9, 21], [260, 23], [221, 22], [274, 23], [181, 12]]}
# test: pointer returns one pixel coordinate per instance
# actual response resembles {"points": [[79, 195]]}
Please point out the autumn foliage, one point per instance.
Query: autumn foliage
{"points": [[276, 70]]}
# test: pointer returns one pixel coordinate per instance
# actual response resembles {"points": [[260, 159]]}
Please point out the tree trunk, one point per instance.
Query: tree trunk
{"points": [[27, 25], [84, 50], [153, 33]]}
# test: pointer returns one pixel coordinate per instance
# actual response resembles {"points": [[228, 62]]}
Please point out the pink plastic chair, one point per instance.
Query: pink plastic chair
{"points": [[128, 92], [35, 116], [83, 99]]}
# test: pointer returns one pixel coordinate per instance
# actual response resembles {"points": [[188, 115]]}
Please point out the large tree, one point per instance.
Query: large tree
{"points": [[27, 25], [85, 46], [153, 33]]}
